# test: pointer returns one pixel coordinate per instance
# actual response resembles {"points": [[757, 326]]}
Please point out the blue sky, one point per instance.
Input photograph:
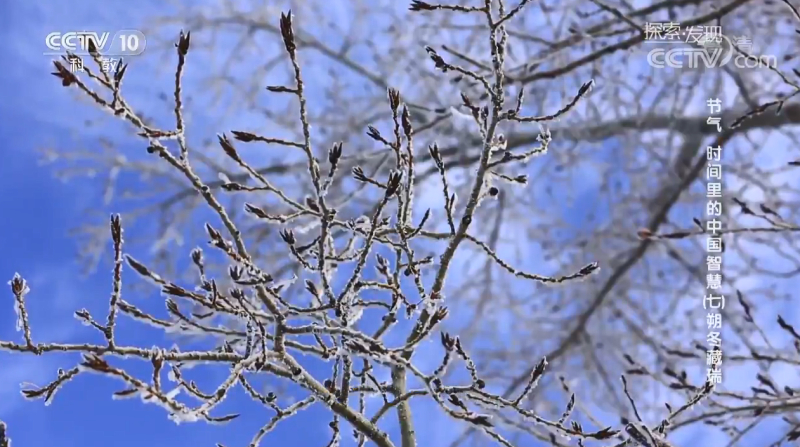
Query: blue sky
{"points": [[37, 212], [38, 113]]}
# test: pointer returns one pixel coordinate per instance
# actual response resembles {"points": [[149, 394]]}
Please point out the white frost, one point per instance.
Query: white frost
{"points": [[18, 312], [172, 394], [179, 418]]}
